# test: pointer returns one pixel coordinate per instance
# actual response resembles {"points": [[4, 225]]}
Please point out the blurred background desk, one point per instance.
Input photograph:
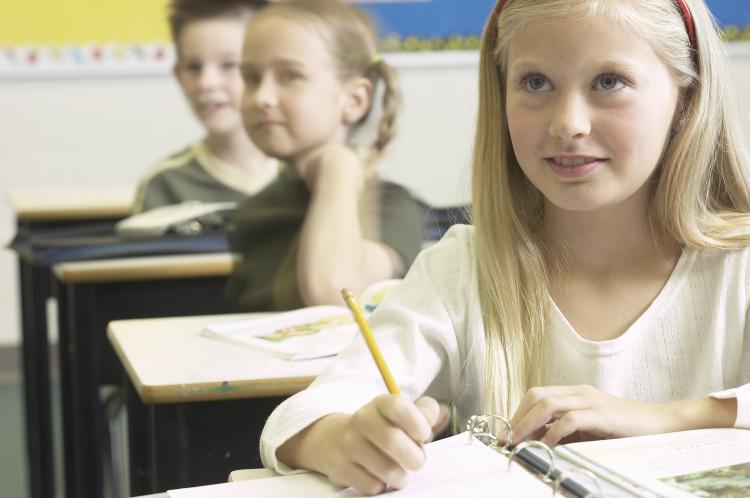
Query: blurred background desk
{"points": [[38, 210], [91, 294], [196, 405]]}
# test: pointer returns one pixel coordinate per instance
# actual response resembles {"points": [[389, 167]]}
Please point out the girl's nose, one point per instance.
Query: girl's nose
{"points": [[570, 118], [265, 93]]}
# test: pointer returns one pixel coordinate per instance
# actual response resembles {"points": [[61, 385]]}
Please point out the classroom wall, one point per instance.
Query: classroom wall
{"points": [[107, 131]]}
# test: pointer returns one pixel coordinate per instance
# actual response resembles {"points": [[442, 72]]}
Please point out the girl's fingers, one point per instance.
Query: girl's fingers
{"points": [[444, 419], [575, 421], [356, 476], [545, 410], [437, 414], [536, 394], [429, 408], [399, 447], [380, 465], [404, 414], [388, 438]]}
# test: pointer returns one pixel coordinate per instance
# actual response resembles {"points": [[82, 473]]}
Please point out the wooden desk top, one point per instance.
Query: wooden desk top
{"points": [[146, 268], [169, 361], [71, 203]]}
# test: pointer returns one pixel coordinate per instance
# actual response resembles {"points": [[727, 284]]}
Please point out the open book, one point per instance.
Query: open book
{"points": [[306, 333], [711, 463]]}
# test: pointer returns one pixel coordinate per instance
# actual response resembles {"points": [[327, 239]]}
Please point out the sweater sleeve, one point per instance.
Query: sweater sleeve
{"points": [[415, 332], [742, 394]]}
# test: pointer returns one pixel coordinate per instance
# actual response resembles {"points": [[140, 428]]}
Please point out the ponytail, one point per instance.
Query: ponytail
{"points": [[391, 102]]}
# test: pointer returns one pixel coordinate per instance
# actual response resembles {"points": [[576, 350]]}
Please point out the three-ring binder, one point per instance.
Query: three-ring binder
{"points": [[479, 428]]}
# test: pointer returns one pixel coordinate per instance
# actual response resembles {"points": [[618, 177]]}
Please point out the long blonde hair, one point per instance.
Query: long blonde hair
{"points": [[353, 43], [700, 193]]}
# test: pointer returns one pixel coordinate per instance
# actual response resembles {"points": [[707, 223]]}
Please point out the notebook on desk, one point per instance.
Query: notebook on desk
{"points": [[454, 468], [712, 463]]}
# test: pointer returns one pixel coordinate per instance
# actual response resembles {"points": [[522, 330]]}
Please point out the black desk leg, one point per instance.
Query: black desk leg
{"points": [[140, 443], [79, 381], [178, 445], [35, 282]]}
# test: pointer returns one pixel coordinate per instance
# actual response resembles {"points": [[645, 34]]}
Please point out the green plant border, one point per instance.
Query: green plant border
{"points": [[736, 33], [416, 44]]}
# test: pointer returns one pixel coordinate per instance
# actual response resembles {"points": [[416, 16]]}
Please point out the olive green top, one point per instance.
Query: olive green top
{"points": [[265, 231]]}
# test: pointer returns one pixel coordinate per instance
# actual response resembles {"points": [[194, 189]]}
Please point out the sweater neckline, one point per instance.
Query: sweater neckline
{"points": [[563, 328], [235, 178]]}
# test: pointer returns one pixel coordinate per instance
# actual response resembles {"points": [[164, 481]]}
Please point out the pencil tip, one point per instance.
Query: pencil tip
{"points": [[345, 293]]}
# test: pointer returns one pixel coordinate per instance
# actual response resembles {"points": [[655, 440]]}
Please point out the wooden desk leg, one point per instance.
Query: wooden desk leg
{"points": [[79, 381], [35, 288]]}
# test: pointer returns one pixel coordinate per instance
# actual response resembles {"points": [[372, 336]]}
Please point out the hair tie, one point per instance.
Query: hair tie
{"points": [[376, 59], [687, 17]]}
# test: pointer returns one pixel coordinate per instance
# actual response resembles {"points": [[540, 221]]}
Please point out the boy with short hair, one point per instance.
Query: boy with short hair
{"points": [[224, 165]]}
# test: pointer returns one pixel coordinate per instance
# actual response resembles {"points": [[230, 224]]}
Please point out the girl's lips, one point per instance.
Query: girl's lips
{"points": [[210, 108], [573, 167], [267, 124]]}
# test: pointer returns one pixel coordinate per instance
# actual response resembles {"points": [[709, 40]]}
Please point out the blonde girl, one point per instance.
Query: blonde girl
{"points": [[311, 69], [603, 290]]}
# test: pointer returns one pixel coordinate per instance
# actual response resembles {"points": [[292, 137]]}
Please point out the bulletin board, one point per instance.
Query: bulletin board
{"points": [[457, 24], [53, 38], [733, 16], [75, 38]]}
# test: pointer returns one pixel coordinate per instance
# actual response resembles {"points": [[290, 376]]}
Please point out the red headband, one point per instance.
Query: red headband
{"points": [[686, 16]]}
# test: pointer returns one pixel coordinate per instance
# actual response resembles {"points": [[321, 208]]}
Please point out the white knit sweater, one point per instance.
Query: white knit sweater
{"points": [[692, 341]]}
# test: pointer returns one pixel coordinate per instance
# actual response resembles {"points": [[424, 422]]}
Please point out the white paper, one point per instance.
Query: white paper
{"points": [[306, 333], [314, 332], [452, 470]]}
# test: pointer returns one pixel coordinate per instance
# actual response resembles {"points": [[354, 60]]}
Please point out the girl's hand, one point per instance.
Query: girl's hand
{"points": [[331, 163], [376, 446], [578, 413]]}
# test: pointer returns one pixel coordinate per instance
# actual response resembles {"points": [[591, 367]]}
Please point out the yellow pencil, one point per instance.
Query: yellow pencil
{"points": [[370, 340]]}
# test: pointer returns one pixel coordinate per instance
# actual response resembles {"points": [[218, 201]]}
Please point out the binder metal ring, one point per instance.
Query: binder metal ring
{"points": [[561, 476], [536, 444], [478, 427]]}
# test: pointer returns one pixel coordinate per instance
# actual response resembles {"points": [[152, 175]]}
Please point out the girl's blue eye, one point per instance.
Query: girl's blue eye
{"points": [[609, 83], [535, 83]]}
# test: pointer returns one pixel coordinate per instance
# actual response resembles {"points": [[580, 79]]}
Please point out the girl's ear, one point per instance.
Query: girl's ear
{"points": [[358, 93]]}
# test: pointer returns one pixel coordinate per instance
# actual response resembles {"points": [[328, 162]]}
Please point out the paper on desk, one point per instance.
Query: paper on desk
{"points": [[451, 470], [314, 332]]}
